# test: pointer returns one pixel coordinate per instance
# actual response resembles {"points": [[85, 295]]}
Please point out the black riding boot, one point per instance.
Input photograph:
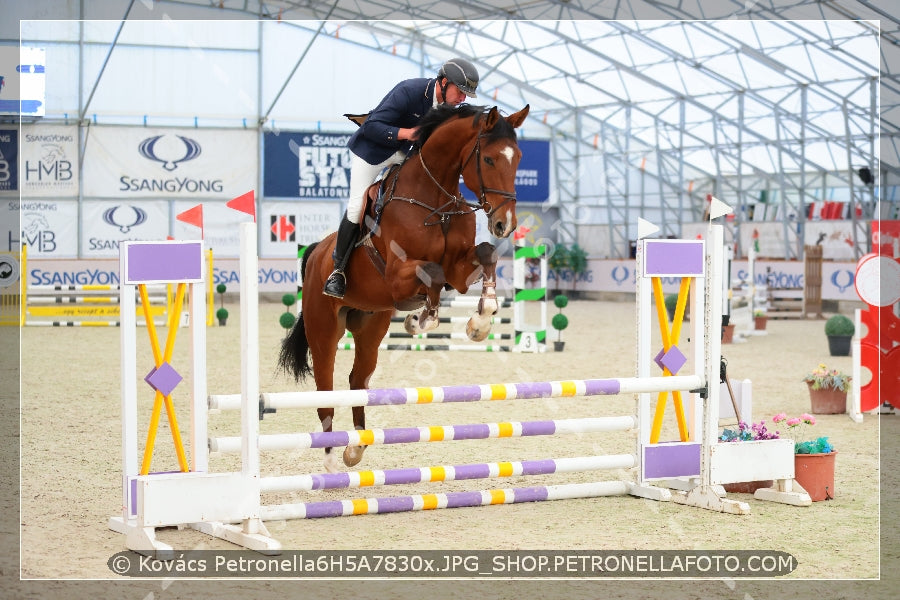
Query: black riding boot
{"points": [[348, 232]]}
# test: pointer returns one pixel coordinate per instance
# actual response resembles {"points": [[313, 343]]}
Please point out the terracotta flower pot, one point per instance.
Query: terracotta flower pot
{"points": [[759, 323], [728, 333], [827, 401], [815, 474]]}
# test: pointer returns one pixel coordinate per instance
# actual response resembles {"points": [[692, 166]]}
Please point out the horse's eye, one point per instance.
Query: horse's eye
{"points": [[489, 160]]}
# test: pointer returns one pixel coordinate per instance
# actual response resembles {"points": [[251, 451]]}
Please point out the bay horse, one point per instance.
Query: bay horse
{"points": [[420, 241]]}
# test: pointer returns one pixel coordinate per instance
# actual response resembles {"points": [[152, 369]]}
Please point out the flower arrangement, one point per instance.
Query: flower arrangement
{"points": [[745, 433], [823, 378], [799, 424]]}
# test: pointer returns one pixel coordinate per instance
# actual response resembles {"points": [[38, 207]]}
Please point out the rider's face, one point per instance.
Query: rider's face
{"points": [[454, 95]]}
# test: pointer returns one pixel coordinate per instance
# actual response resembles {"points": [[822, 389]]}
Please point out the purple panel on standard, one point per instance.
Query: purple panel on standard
{"points": [[671, 460], [673, 360], [318, 510], [163, 262], [597, 387], [402, 435], [164, 379], [538, 428], [478, 431], [532, 494], [461, 499], [395, 476], [481, 471], [398, 504], [330, 439], [673, 258], [538, 467]]}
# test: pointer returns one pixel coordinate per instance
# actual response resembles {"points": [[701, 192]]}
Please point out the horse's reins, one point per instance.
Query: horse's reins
{"points": [[483, 204]]}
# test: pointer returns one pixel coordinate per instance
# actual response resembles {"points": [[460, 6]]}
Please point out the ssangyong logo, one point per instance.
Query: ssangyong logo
{"points": [[148, 150], [170, 151], [121, 221]]}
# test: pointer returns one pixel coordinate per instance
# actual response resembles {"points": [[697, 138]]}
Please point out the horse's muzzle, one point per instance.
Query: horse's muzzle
{"points": [[502, 224]]}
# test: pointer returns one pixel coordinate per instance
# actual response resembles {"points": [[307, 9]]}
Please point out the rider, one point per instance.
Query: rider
{"points": [[385, 138]]}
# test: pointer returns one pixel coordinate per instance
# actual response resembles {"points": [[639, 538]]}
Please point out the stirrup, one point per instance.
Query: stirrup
{"points": [[336, 284]]}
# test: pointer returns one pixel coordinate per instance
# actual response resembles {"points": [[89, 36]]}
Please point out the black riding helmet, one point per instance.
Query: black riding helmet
{"points": [[462, 73]]}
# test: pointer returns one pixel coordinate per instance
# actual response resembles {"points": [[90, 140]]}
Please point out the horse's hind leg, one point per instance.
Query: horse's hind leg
{"points": [[326, 417], [479, 326], [368, 331]]}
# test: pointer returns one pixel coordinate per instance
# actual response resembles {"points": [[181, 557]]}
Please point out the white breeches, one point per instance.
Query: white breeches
{"points": [[362, 175]]}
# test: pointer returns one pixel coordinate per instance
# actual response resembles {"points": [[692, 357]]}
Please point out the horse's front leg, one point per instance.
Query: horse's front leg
{"points": [[409, 279], [479, 326]]}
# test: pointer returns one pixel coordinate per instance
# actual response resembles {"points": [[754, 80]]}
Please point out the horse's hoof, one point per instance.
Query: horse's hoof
{"points": [[331, 463], [477, 332], [353, 454], [411, 324]]}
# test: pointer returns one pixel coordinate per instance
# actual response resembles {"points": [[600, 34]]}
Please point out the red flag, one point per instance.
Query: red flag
{"points": [[193, 216], [244, 203]]}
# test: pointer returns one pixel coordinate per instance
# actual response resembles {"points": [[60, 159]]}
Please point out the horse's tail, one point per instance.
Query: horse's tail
{"points": [[294, 356]]}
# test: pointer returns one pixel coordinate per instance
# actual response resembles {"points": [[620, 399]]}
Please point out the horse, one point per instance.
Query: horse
{"points": [[420, 241]]}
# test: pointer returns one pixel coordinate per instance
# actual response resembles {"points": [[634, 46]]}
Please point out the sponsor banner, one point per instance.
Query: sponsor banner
{"points": [[49, 161], [9, 162], [306, 164], [22, 87], [106, 224], [49, 228], [532, 175], [279, 275], [283, 225], [146, 162]]}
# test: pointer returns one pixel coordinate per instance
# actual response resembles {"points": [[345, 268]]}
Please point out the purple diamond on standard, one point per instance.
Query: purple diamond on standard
{"points": [[163, 379], [673, 360]]}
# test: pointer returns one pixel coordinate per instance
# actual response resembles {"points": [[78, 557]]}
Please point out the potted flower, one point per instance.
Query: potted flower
{"points": [[559, 321], [827, 390], [748, 433], [813, 459], [839, 330], [760, 319]]}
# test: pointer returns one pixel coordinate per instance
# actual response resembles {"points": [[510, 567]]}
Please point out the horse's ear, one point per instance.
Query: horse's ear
{"points": [[518, 118], [491, 118]]}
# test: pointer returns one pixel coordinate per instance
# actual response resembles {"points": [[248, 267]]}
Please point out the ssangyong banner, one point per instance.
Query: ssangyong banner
{"points": [[160, 163], [49, 161], [306, 164], [106, 224], [283, 225]]}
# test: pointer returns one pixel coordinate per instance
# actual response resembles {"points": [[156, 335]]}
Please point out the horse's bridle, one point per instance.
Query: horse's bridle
{"points": [[483, 204]]}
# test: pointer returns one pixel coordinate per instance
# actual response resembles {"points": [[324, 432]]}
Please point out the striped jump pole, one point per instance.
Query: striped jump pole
{"points": [[462, 393], [410, 435], [363, 506], [359, 479]]}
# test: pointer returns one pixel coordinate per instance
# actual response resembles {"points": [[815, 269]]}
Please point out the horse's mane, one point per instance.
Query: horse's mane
{"points": [[442, 113]]}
